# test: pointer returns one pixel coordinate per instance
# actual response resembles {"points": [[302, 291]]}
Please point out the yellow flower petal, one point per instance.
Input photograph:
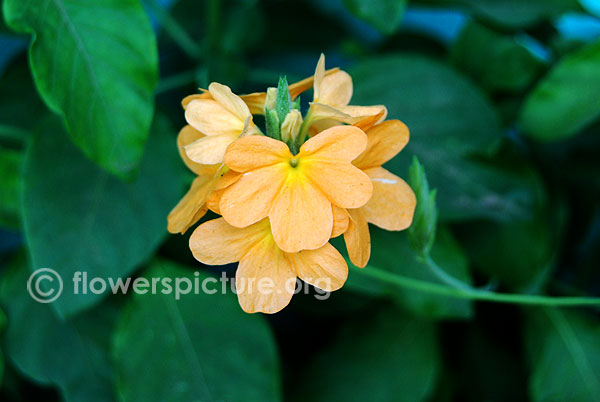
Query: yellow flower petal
{"points": [[385, 141], [358, 239], [325, 159], [323, 268], [253, 152], [340, 143], [340, 221], [368, 122], [301, 217], [265, 280], [212, 118], [318, 77], [211, 149], [393, 202], [250, 199], [335, 89], [364, 112], [204, 95], [191, 207], [255, 102], [233, 103], [216, 242], [187, 135]]}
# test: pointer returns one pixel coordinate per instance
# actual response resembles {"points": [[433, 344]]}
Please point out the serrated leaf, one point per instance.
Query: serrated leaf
{"points": [[95, 64]]}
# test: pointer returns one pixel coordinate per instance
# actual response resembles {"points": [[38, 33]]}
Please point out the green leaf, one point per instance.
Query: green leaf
{"points": [[449, 120], [564, 353], [494, 60], [283, 102], [566, 100], [10, 167], [519, 254], [392, 252], [383, 15], [422, 231], [207, 348], [77, 217], [73, 355], [96, 66], [512, 13], [386, 357]]}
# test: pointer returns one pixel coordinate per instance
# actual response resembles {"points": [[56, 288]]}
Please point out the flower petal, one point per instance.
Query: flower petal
{"points": [[191, 207], [256, 151], [230, 101], [187, 135], [392, 205], [364, 111], [211, 149], [340, 221], [358, 239], [323, 268], [204, 95], [340, 143], [385, 141], [212, 118], [216, 242], [255, 102], [250, 198], [368, 122], [301, 217], [344, 184], [335, 89], [265, 280], [318, 77]]}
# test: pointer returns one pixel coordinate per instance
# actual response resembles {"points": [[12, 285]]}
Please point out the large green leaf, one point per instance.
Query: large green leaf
{"points": [[566, 100], [564, 351], [94, 63], [392, 252], [77, 217], [202, 347], [384, 15], [387, 357], [449, 120], [496, 61], [73, 355]]}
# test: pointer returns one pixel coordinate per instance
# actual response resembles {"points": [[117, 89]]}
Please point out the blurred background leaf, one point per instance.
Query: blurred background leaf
{"points": [[204, 345], [566, 100], [564, 353], [384, 15], [356, 366], [73, 355], [95, 65], [77, 217]]}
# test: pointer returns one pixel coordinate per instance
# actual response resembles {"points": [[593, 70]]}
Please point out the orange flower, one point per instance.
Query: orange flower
{"points": [[330, 105], [393, 202], [297, 192], [266, 275], [209, 178], [222, 117]]}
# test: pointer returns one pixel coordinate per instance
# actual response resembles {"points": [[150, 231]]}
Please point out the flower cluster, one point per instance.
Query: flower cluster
{"points": [[283, 193]]}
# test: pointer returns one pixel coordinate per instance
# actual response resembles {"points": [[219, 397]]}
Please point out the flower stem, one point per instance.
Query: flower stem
{"points": [[475, 294]]}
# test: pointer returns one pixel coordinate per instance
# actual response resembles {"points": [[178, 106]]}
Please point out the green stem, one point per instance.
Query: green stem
{"points": [[174, 29], [443, 275], [476, 294], [304, 129]]}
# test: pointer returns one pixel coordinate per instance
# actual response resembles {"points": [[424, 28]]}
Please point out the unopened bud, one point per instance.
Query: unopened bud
{"points": [[291, 125], [271, 98]]}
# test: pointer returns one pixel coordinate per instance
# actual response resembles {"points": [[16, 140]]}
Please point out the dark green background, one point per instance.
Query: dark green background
{"points": [[502, 98]]}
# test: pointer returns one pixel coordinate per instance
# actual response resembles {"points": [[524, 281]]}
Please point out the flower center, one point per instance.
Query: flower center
{"points": [[294, 162]]}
